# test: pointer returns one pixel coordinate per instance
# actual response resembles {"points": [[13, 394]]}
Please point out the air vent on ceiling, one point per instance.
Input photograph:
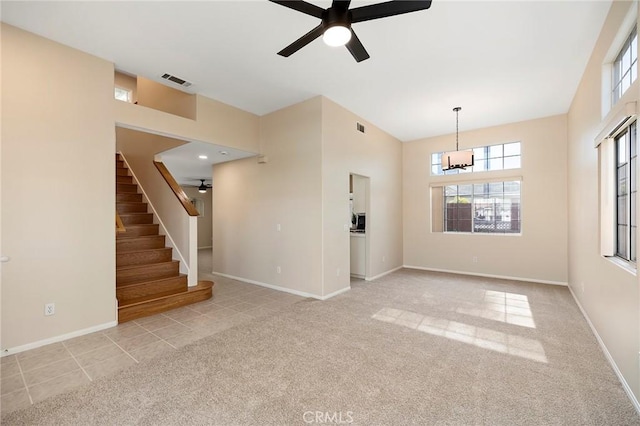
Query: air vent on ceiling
{"points": [[177, 80], [360, 127]]}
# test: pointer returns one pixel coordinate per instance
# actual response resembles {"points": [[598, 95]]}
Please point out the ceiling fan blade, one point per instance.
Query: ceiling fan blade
{"points": [[389, 8], [301, 6], [341, 4], [356, 48], [302, 41]]}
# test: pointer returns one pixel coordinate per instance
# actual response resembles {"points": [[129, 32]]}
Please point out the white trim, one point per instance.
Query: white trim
{"points": [[335, 293], [192, 278], [618, 119], [56, 339], [384, 273], [462, 181], [607, 355], [271, 286], [478, 274], [184, 266], [286, 290]]}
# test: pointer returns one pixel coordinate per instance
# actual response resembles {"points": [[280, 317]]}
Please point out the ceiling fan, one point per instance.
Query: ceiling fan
{"points": [[202, 188], [335, 27]]}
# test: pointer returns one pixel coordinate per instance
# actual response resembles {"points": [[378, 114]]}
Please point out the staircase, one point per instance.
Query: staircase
{"points": [[148, 280]]}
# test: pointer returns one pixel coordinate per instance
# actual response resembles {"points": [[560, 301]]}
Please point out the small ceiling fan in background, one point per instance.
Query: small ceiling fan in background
{"points": [[335, 27], [202, 187]]}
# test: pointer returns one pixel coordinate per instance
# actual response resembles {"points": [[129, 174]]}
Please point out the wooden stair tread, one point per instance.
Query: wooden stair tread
{"points": [[151, 306], [202, 286], [143, 250], [156, 281], [130, 267], [139, 237]]}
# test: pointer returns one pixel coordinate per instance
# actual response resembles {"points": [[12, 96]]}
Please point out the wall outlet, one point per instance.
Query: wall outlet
{"points": [[384, 258], [475, 259], [278, 270], [582, 286], [49, 309], [338, 272], [278, 228]]}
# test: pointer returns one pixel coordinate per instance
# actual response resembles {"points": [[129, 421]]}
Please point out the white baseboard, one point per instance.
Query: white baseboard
{"points": [[56, 339], [384, 273], [607, 355], [335, 293], [477, 274], [284, 289], [271, 286]]}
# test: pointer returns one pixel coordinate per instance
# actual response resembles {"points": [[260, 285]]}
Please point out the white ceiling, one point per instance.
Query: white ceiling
{"points": [[187, 168], [502, 61]]}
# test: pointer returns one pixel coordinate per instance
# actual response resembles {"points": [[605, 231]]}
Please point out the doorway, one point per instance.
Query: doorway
{"points": [[360, 230]]}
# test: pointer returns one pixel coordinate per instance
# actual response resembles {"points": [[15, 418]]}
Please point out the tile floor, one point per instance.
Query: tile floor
{"points": [[37, 374]]}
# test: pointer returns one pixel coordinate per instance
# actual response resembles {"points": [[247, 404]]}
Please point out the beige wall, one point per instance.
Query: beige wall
{"points": [[158, 96], [205, 222], [251, 199], [375, 155], [311, 147], [215, 123], [608, 294], [58, 190], [540, 253]]}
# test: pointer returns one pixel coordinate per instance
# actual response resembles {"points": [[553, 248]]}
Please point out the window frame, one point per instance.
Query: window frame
{"points": [[129, 93], [618, 75], [475, 201], [625, 177], [485, 156]]}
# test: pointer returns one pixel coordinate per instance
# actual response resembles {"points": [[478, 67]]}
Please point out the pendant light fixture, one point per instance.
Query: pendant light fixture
{"points": [[457, 159]]}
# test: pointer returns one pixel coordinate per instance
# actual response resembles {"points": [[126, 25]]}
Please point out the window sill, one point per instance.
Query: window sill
{"points": [[499, 234], [623, 264]]}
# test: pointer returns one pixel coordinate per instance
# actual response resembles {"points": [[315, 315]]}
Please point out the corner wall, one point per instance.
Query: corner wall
{"points": [[608, 294], [540, 253], [251, 200], [378, 156], [58, 189]]}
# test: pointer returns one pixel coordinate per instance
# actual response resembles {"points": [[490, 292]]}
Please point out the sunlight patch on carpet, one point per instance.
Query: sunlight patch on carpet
{"points": [[465, 333]]}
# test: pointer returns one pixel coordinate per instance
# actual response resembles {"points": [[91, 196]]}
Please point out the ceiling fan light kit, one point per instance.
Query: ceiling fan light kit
{"points": [[335, 25], [336, 36], [203, 187], [457, 159]]}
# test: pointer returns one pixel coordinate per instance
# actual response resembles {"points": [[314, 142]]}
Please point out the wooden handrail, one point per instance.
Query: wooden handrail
{"points": [[177, 190], [119, 225]]}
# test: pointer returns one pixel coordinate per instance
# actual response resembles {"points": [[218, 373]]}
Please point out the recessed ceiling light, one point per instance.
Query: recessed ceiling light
{"points": [[223, 153], [202, 157]]}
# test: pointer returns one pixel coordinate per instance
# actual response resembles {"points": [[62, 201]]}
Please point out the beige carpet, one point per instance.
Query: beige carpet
{"points": [[411, 348]]}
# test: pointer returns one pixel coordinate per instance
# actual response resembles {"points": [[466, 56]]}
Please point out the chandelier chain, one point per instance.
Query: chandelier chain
{"points": [[456, 130]]}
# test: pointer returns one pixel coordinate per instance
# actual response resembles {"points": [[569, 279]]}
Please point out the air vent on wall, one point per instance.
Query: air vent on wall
{"points": [[177, 80], [360, 127]]}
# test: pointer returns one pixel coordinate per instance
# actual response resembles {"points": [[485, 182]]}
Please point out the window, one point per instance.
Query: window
{"points": [[626, 190], [625, 70], [122, 94], [492, 207], [486, 158]]}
